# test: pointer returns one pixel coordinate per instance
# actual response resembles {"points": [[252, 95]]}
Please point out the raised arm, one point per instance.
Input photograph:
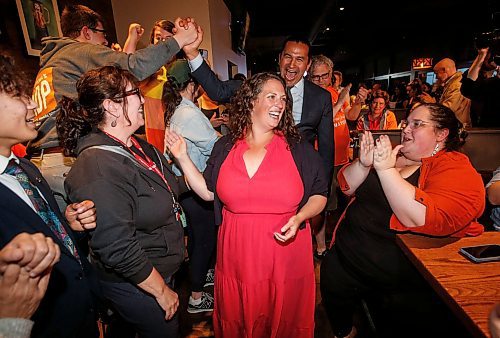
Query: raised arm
{"points": [[135, 32], [473, 73], [145, 61], [343, 96], [353, 113], [356, 172], [399, 192]]}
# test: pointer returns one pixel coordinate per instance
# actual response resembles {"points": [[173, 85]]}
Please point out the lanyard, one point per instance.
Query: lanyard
{"points": [[149, 164]]}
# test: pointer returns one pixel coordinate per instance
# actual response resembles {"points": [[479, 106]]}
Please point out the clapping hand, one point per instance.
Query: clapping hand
{"points": [[175, 144], [362, 95], [384, 156], [366, 149]]}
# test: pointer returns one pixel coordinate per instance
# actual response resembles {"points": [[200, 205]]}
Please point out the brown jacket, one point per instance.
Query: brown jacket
{"points": [[453, 99]]}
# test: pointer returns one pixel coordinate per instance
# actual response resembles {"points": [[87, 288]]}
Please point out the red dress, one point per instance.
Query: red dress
{"points": [[263, 288]]}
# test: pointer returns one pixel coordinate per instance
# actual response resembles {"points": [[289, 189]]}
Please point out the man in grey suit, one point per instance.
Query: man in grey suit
{"points": [[312, 105]]}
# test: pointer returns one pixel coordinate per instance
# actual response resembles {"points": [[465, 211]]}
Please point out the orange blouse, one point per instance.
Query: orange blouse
{"points": [[453, 193]]}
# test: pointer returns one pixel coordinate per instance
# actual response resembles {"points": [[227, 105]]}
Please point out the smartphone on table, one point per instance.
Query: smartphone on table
{"points": [[482, 253]]}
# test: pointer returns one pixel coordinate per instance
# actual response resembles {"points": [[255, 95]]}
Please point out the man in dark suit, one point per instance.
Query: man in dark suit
{"points": [[312, 105], [27, 205]]}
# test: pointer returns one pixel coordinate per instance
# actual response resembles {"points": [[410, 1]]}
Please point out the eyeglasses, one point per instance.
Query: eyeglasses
{"points": [[135, 91], [320, 77], [413, 124], [103, 31]]}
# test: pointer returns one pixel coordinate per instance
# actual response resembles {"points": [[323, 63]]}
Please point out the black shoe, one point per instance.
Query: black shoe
{"points": [[320, 255]]}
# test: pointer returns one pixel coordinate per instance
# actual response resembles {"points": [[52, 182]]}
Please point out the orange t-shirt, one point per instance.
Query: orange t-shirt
{"points": [[340, 131]]}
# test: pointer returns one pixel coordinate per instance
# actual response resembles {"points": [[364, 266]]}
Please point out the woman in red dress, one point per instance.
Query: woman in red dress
{"points": [[265, 183]]}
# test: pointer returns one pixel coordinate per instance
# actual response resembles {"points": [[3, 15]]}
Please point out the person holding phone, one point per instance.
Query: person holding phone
{"points": [[266, 182], [423, 186]]}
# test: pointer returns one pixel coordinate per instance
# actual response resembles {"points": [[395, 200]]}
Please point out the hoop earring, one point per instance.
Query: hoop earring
{"points": [[436, 149]]}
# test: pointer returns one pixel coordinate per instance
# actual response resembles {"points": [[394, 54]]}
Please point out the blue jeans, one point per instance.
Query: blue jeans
{"points": [[141, 310]]}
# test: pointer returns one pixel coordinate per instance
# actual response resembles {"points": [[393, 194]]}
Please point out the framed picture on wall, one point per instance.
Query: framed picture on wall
{"points": [[39, 18]]}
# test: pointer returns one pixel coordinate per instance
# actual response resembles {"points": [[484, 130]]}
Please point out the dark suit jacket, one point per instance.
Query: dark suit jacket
{"points": [[69, 306], [317, 111]]}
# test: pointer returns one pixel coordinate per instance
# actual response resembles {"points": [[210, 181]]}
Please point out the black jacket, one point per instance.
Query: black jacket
{"points": [[484, 95], [136, 228], [69, 307], [317, 111], [306, 159]]}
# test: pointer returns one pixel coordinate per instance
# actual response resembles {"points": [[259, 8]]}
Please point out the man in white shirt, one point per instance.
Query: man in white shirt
{"points": [[27, 205]]}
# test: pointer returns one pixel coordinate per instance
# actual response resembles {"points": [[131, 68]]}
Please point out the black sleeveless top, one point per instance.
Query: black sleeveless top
{"points": [[364, 241]]}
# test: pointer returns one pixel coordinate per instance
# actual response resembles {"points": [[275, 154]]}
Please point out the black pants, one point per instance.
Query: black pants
{"points": [[202, 237], [340, 293], [406, 308], [140, 311]]}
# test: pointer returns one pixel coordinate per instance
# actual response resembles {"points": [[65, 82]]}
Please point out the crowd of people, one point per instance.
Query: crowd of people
{"points": [[94, 219]]}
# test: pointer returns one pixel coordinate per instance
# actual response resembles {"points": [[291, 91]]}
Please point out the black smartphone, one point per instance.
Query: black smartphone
{"points": [[482, 253]]}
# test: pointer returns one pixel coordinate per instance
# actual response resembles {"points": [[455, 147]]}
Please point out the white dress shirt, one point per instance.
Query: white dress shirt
{"points": [[195, 63], [12, 183], [297, 92]]}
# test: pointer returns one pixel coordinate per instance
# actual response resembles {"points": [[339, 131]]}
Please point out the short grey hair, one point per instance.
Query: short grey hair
{"points": [[317, 60]]}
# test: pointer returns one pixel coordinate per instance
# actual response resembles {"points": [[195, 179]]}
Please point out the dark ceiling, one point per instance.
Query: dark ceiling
{"points": [[433, 28]]}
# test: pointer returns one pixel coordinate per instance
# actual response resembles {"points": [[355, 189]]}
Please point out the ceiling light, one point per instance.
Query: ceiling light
{"points": [[341, 8]]}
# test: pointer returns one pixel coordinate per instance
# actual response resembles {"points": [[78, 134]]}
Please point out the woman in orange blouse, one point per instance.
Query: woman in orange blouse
{"points": [[378, 117], [431, 189]]}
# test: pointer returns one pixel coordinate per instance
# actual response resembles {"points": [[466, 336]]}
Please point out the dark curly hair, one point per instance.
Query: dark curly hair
{"points": [[12, 81], [445, 118], [242, 105], [77, 118]]}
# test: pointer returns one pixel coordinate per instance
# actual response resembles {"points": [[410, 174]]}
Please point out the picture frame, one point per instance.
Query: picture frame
{"points": [[39, 18]]}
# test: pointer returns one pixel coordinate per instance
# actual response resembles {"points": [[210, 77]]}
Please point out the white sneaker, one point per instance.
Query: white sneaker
{"points": [[206, 304]]}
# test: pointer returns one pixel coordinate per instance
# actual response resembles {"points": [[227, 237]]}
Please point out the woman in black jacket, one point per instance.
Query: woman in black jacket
{"points": [[137, 245]]}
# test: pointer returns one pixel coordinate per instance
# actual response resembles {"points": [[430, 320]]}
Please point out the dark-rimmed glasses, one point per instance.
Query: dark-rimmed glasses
{"points": [[103, 31], [320, 77], [413, 124], [135, 91]]}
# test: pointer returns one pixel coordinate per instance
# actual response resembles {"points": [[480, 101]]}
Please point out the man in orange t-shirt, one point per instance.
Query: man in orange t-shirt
{"points": [[321, 74]]}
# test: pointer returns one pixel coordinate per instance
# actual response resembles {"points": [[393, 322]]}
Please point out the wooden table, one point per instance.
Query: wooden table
{"points": [[469, 289]]}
